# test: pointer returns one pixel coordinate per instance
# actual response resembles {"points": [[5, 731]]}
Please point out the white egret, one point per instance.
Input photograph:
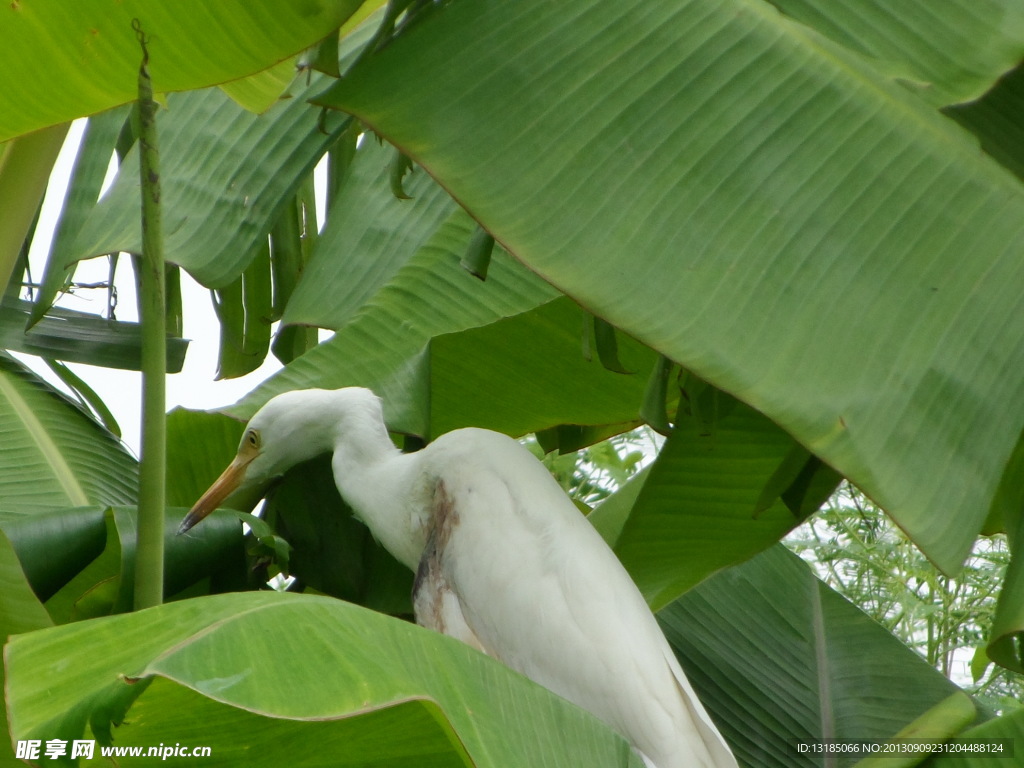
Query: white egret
{"points": [[504, 561]]}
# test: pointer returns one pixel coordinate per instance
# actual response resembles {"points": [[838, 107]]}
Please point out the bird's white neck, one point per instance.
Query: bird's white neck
{"points": [[380, 484]]}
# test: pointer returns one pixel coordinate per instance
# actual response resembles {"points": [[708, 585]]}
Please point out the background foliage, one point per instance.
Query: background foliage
{"points": [[861, 554]]}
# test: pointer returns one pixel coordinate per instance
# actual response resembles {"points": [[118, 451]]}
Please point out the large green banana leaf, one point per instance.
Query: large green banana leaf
{"points": [[218, 658], [754, 201]]}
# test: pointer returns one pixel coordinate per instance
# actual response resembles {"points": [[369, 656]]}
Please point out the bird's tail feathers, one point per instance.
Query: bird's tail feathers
{"points": [[717, 747]]}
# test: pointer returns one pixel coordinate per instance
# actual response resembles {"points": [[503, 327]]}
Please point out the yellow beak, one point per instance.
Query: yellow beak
{"points": [[222, 487]]}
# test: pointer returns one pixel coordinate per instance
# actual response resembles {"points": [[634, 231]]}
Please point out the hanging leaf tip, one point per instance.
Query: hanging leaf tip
{"points": [[478, 254], [400, 165]]}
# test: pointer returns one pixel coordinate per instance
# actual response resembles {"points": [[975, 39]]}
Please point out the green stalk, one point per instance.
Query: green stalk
{"points": [[149, 553]]}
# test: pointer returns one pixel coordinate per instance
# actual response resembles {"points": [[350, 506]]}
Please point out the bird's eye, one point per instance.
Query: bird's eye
{"points": [[252, 439]]}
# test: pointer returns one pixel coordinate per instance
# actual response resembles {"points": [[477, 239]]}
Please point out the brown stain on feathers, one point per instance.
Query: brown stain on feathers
{"points": [[430, 585]]}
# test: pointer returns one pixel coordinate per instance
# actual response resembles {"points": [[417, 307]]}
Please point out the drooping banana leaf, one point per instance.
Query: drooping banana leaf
{"points": [[80, 337], [51, 453]]}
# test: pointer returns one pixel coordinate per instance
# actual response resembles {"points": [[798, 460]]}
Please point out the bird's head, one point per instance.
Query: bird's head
{"points": [[291, 428]]}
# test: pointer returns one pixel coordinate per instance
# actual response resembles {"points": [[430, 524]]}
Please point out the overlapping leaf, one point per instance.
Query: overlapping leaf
{"points": [[94, 575], [703, 505], [78, 533], [385, 345], [994, 119], [225, 176], [944, 57], [370, 234]]}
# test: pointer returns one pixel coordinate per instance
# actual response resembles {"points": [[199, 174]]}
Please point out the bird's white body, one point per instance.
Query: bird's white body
{"points": [[540, 590], [507, 563]]}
